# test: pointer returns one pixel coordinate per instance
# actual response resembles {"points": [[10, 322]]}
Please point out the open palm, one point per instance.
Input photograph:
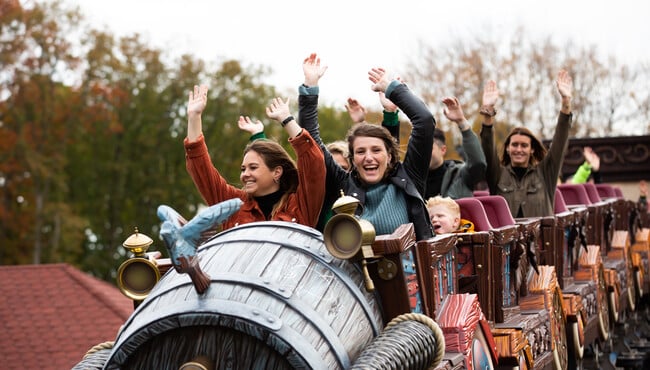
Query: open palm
{"points": [[490, 93], [565, 84], [197, 100]]}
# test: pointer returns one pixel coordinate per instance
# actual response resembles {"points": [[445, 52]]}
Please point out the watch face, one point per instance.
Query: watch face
{"points": [[480, 355]]}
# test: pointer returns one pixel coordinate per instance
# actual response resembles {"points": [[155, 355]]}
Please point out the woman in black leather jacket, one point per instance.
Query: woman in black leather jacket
{"points": [[390, 191]]}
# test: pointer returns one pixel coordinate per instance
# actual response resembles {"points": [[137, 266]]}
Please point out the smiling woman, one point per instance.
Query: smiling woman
{"points": [[274, 188], [526, 175], [390, 192]]}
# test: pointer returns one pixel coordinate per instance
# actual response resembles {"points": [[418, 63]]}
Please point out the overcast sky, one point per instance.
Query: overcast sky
{"points": [[353, 36]]}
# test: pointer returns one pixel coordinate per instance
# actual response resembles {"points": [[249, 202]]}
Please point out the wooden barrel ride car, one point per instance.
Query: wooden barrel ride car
{"points": [[276, 300]]}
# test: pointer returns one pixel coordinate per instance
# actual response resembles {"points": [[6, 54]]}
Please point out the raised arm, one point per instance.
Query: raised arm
{"points": [[196, 103], [207, 179], [591, 163], [311, 166], [552, 163], [474, 169], [390, 115], [592, 158], [308, 96], [488, 111], [565, 88], [308, 115], [278, 110], [255, 128], [356, 111], [418, 154]]}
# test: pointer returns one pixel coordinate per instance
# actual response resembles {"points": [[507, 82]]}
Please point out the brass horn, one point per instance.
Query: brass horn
{"points": [[139, 274], [345, 235], [348, 237]]}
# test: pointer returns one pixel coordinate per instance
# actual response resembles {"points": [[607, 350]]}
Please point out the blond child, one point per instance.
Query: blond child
{"points": [[445, 218], [444, 213]]}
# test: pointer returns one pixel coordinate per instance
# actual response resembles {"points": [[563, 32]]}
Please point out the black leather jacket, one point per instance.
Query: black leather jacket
{"points": [[409, 175]]}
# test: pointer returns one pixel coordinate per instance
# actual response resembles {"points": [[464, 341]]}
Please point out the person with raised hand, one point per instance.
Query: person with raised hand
{"points": [[590, 168], [356, 111], [390, 112], [526, 176], [255, 128], [452, 178], [273, 186], [389, 190]]}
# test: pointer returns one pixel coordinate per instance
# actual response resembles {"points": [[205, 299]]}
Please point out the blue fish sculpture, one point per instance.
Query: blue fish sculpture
{"points": [[182, 237]]}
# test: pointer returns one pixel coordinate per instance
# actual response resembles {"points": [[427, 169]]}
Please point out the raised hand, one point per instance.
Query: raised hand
{"points": [[278, 109], [564, 84], [356, 111], [379, 79], [453, 110], [490, 94], [312, 70], [197, 100], [592, 158], [248, 125]]}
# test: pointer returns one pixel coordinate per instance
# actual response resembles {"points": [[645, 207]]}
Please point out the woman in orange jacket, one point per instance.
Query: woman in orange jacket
{"points": [[274, 187]]}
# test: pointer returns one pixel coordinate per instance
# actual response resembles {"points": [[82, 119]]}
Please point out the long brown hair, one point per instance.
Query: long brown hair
{"points": [[539, 150], [274, 155], [379, 132]]}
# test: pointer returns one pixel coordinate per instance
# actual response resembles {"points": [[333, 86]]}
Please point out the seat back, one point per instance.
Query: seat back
{"points": [[471, 209], [592, 192], [606, 191], [560, 204], [497, 210], [481, 193], [574, 194], [619, 192]]}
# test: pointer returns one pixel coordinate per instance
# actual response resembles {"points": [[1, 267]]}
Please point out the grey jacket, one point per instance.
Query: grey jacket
{"points": [[461, 177], [535, 192]]}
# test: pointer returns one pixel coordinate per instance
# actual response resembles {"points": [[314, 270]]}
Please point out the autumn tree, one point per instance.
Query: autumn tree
{"points": [[91, 149], [609, 93], [35, 112]]}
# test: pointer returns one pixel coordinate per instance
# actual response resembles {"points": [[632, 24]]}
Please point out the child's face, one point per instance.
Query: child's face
{"points": [[442, 220]]}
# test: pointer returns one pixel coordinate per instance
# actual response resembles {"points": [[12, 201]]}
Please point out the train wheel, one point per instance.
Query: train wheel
{"points": [[603, 306], [638, 283], [480, 352], [558, 332], [613, 305], [576, 341], [631, 298]]}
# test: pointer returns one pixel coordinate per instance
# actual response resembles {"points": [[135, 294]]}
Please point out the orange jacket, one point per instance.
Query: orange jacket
{"points": [[302, 207]]}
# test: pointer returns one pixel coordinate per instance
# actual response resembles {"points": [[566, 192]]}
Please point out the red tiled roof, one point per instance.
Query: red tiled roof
{"points": [[53, 314]]}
